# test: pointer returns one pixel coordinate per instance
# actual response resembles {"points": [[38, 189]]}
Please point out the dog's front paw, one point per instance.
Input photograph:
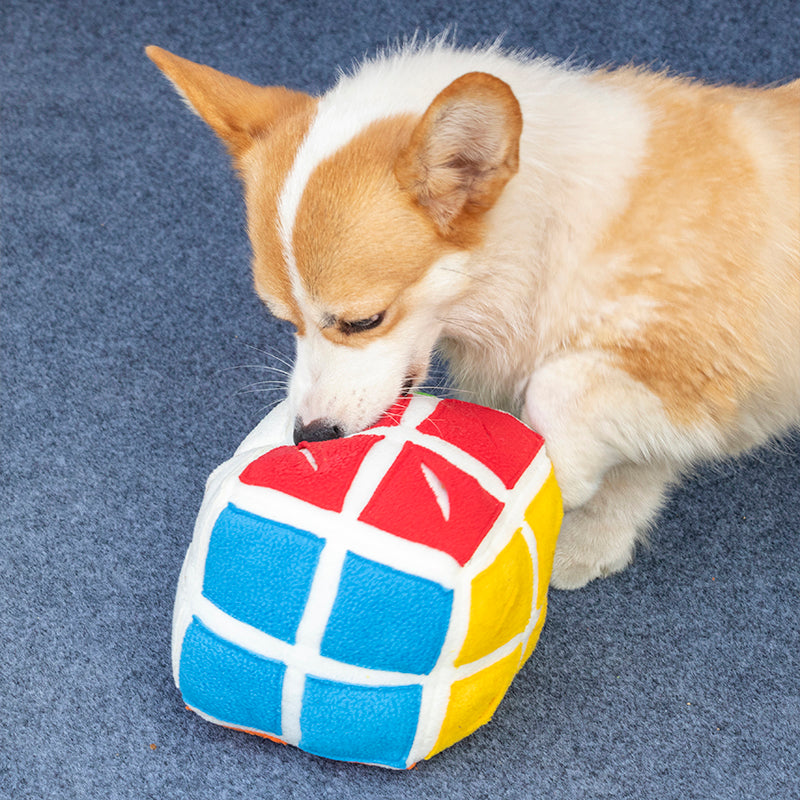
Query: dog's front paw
{"points": [[588, 549], [569, 573]]}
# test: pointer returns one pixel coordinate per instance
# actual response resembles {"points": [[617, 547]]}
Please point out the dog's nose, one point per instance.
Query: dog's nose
{"points": [[318, 430]]}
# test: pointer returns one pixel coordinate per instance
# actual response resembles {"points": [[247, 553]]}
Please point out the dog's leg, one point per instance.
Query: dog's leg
{"points": [[614, 452]]}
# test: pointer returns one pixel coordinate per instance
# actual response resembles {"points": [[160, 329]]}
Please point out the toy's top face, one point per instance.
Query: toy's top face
{"points": [[423, 497]]}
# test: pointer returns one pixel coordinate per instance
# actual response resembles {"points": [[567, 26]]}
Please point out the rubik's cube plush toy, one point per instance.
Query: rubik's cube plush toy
{"points": [[369, 598]]}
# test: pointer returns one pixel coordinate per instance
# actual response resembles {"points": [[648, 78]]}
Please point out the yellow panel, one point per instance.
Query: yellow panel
{"points": [[473, 700], [544, 515], [502, 596]]}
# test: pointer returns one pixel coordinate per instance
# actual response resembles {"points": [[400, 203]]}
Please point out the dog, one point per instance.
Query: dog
{"points": [[612, 255]]}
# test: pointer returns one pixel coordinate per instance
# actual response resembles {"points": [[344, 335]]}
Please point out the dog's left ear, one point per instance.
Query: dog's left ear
{"points": [[463, 151]]}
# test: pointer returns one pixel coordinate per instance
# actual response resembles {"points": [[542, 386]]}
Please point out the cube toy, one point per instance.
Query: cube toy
{"points": [[369, 598]]}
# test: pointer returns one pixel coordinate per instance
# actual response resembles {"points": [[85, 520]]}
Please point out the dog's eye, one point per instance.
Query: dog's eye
{"points": [[361, 325]]}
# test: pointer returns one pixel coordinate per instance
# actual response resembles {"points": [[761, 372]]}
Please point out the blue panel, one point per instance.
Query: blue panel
{"points": [[230, 683], [386, 619], [260, 571], [370, 724]]}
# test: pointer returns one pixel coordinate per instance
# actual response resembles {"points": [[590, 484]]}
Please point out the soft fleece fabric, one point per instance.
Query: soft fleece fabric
{"points": [[368, 599], [132, 363]]}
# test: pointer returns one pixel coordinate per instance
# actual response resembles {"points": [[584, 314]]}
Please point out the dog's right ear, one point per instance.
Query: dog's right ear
{"points": [[463, 152], [236, 110]]}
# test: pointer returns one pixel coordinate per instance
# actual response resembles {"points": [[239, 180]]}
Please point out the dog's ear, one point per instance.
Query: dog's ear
{"points": [[235, 109], [463, 151]]}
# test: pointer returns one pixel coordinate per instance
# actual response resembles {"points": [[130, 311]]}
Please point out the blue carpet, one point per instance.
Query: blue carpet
{"points": [[131, 345]]}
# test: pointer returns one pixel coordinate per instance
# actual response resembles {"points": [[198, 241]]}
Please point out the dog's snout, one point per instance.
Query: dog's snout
{"points": [[318, 430]]}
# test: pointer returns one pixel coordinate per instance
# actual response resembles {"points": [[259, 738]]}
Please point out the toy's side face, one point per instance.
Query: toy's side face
{"points": [[371, 599]]}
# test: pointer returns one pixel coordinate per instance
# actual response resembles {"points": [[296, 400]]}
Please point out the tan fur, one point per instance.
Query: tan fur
{"points": [[702, 236], [264, 167], [348, 198], [614, 256], [237, 111]]}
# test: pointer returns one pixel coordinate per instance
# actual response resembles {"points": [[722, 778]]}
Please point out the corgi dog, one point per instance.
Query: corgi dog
{"points": [[612, 255]]}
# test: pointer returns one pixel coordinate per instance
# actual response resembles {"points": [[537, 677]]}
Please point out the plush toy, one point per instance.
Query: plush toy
{"points": [[369, 598]]}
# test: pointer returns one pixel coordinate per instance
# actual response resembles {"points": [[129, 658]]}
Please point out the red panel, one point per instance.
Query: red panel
{"points": [[405, 505], [325, 482], [498, 440]]}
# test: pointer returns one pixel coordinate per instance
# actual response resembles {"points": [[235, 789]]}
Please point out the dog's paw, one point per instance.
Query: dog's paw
{"points": [[569, 573], [588, 548]]}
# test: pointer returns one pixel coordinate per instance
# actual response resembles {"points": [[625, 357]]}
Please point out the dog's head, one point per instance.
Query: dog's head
{"points": [[362, 216]]}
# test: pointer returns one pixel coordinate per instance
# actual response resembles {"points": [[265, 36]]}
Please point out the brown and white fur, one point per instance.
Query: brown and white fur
{"points": [[613, 255]]}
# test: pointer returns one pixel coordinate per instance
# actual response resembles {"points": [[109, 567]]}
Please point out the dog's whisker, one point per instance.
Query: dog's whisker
{"points": [[272, 354], [261, 367], [269, 384], [255, 390], [267, 368], [276, 384], [269, 354]]}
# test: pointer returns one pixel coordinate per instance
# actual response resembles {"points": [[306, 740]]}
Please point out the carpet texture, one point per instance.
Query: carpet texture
{"points": [[133, 355]]}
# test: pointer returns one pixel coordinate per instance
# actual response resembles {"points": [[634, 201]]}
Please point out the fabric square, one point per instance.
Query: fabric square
{"points": [[497, 440], [229, 683], [368, 724], [318, 472], [260, 571], [474, 700], [423, 498], [500, 605], [386, 619]]}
